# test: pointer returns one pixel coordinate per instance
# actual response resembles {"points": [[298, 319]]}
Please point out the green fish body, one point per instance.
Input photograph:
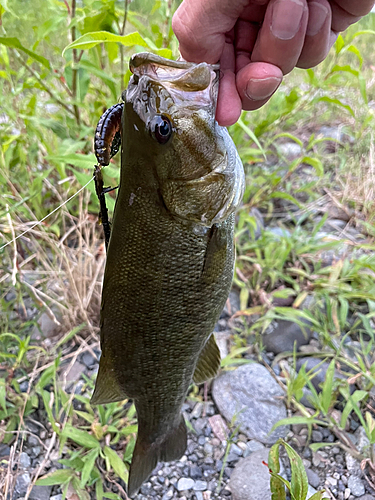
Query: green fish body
{"points": [[171, 253]]}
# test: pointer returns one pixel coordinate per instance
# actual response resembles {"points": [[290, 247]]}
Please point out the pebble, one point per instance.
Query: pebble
{"points": [[250, 479], [313, 478], [56, 497], [356, 486], [200, 486], [317, 436], [24, 460], [251, 389], [22, 482], [185, 483], [284, 335]]}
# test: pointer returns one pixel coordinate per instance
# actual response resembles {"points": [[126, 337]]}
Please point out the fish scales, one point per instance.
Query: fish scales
{"points": [[171, 254]]}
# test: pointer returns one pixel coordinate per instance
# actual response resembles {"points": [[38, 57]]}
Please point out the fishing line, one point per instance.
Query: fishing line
{"points": [[48, 215]]}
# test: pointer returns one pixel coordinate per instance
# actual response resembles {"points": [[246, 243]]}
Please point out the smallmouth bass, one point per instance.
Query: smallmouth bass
{"points": [[171, 255]]}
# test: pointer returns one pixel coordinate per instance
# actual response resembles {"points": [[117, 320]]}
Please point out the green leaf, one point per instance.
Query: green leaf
{"points": [[116, 463], [337, 102], [298, 483], [297, 420], [5, 6], [2, 394], [78, 160], [252, 136], [276, 485], [89, 460], [69, 335], [81, 437], [327, 392], [59, 476], [315, 163], [90, 40], [16, 44], [317, 496], [318, 446], [357, 396], [285, 196]]}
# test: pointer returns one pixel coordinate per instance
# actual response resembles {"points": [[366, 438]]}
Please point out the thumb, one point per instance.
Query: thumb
{"points": [[200, 27]]}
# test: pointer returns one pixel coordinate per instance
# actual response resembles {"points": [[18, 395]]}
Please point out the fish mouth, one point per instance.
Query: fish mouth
{"points": [[171, 85]]}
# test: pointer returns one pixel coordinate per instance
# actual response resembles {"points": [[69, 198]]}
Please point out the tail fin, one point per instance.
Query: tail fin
{"points": [[146, 456]]}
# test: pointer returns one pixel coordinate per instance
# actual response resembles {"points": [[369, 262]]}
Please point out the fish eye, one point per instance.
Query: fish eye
{"points": [[161, 128]]}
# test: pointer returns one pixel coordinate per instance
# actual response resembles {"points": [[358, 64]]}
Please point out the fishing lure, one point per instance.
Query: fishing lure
{"points": [[106, 144]]}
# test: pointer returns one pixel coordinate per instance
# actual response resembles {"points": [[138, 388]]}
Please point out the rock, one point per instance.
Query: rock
{"points": [[185, 483], [75, 372], [356, 486], [310, 491], [22, 483], [47, 327], [4, 451], [250, 479], [56, 497], [317, 436], [251, 446], [88, 359], [367, 497], [321, 371], [252, 399], [232, 304], [200, 486], [336, 133], [40, 493], [223, 342], [313, 478], [291, 150], [24, 460], [284, 335]]}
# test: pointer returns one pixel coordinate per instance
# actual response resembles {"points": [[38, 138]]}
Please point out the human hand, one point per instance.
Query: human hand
{"points": [[259, 41]]}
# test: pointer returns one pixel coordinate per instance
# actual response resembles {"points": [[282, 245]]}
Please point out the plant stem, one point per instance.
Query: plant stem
{"points": [[75, 64], [122, 32], [43, 85]]}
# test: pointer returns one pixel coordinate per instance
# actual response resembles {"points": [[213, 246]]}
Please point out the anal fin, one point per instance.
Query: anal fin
{"points": [[208, 362], [146, 455], [107, 388]]}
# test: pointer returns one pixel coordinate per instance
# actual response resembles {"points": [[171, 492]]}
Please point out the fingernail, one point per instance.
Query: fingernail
{"points": [[286, 18], [257, 90], [318, 14]]}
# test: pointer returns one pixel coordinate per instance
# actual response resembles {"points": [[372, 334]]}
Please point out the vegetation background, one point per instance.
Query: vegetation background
{"points": [[308, 156]]}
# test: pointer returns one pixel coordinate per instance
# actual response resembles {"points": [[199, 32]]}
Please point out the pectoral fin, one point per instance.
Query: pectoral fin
{"points": [[208, 362], [107, 388]]}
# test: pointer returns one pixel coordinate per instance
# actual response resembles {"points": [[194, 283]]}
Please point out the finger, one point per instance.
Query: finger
{"points": [[280, 40], [341, 18], [201, 26], [228, 108], [256, 83], [357, 8], [318, 34], [245, 36]]}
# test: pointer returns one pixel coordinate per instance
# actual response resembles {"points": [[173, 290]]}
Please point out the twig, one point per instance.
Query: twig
{"points": [[14, 269], [122, 32], [40, 81], [75, 64]]}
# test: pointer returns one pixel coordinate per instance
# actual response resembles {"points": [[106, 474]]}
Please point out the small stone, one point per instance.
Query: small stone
{"points": [[74, 373], [251, 446], [367, 497], [199, 495], [219, 427], [291, 150], [88, 359], [331, 481], [251, 479], [357, 488], [197, 411], [208, 448], [33, 440], [22, 483], [168, 495], [196, 472], [185, 483], [236, 450], [313, 478], [284, 335], [40, 493], [146, 488], [56, 497], [253, 398], [24, 460], [200, 486], [317, 436]]}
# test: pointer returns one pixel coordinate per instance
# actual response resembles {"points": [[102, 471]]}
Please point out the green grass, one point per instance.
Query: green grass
{"points": [[46, 156]]}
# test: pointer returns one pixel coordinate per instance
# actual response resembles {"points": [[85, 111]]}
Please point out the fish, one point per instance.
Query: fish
{"points": [[171, 254]]}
